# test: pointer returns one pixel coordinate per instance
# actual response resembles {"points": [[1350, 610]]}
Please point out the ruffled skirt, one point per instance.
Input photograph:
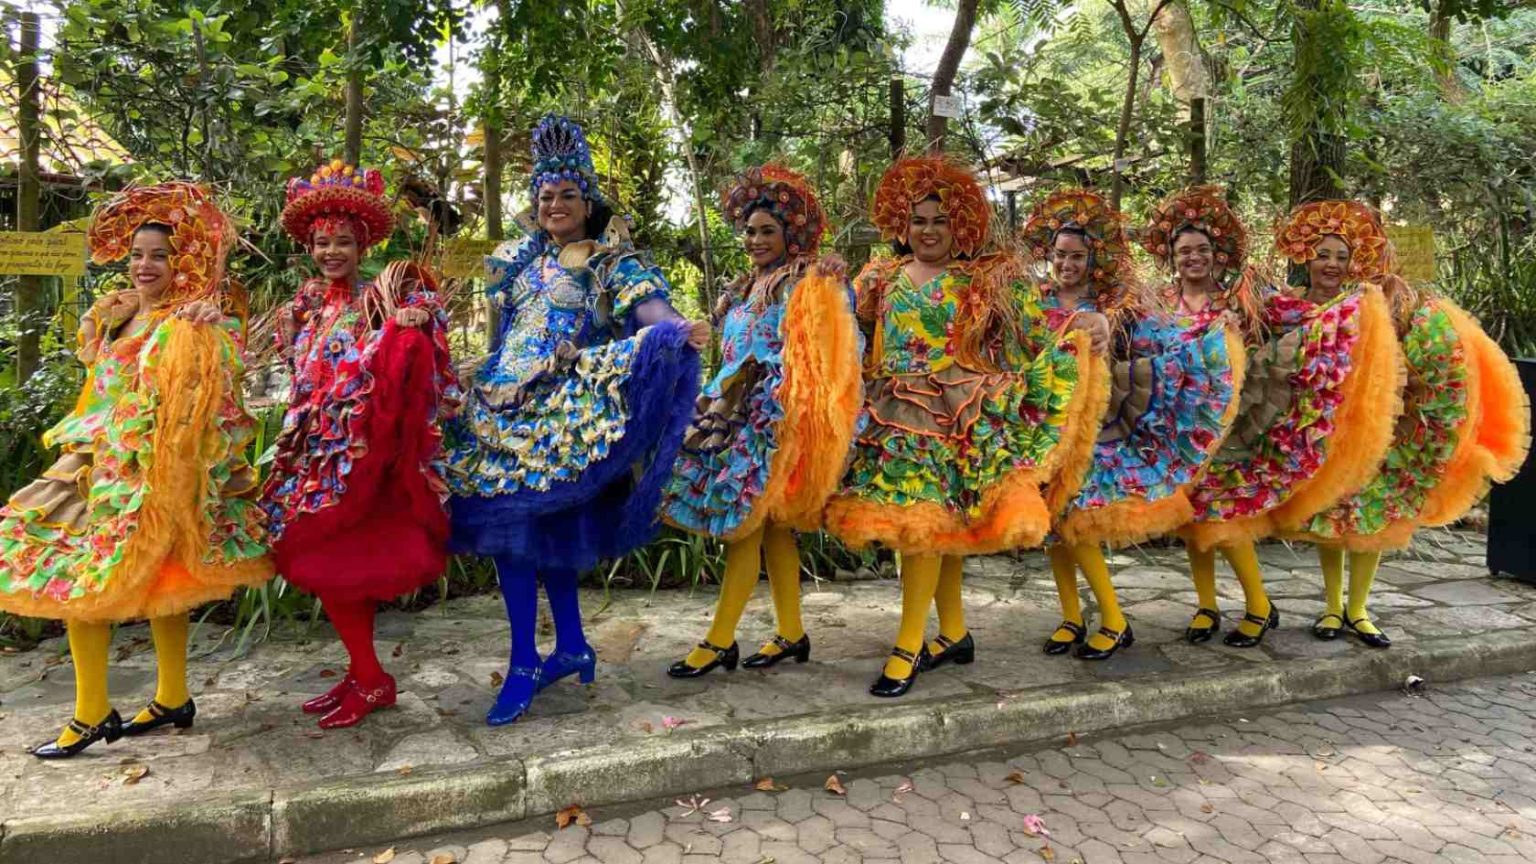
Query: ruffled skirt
{"points": [[572, 471], [775, 441]]}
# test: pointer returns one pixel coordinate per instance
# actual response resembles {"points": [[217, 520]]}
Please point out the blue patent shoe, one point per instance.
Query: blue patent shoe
{"points": [[515, 696], [563, 664]]}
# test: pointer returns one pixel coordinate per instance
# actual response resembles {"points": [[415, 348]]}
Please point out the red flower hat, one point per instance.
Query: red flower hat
{"points": [[339, 191]]}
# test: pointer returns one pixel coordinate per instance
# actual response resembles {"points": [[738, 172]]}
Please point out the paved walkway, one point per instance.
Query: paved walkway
{"points": [[251, 736], [1385, 779]]}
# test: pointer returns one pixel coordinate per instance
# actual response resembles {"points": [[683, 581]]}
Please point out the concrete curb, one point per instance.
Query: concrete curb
{"points": [[364, 812]]}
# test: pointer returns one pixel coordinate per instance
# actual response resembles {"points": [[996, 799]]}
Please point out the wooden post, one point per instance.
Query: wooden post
{"points": [[352, 151], [1195, 137], [29, 289], [898, 131]]}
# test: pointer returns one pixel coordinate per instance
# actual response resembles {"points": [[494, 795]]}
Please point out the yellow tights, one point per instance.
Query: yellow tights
{"points": [[946, 597], [1362, 574], [1066, 560], [919, 583], [743, 563], [1244, 561], [89, 644]]}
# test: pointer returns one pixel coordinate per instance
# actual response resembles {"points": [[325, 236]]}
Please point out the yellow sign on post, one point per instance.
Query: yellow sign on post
{"points": [[42, 253], [464, 258], [1415, 245]]}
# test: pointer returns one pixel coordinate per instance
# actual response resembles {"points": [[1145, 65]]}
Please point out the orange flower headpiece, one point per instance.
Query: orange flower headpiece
{"points": [[1204, 208], [1371, 255], [201, 235], [910, 181], [787, 197], [338, 191], [1110, 273]]}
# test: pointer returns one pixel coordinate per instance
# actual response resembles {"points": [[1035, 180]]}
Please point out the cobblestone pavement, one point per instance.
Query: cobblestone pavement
{"points": [[250, 735], [1449, 776]]}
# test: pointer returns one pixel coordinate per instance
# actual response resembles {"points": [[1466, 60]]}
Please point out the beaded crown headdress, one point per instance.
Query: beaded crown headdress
{"points": [[561, 152]]}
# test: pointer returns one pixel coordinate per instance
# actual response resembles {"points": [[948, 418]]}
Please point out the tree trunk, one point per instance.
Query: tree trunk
{"points": [[1440, 24], [29, 289], [949, 67], [898, 130], [1188, 78], [1317, 158], [1123, 130], [353, 149], [1194, 132]]}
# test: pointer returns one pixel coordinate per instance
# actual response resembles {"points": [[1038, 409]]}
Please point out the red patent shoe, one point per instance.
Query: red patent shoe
{"points": [[330, 700], [359, 702]]}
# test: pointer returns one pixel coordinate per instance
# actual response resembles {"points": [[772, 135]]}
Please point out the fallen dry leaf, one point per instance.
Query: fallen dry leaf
{"points": [[835, 786], [385, 857], [1015, 777], [646, 727], [496, 679], [400, 649], [1207, 808], [331, 673], [405, 770], [572, 815], [1047, 853], [1071, 739], [314, 733], [767, 784], [132, 774], [443, 858]]}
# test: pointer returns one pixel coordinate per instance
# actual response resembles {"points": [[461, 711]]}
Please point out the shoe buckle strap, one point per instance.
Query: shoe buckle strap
{"points": [[709, 646], [903, 654], [782, 643]]}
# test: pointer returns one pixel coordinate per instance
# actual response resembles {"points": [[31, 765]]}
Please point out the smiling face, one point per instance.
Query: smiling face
{"points": [[1193, 255], [1069, 259], [929, 233], [336, 250], [1326, 272], [149, 262], [764, 239], [562, 212]]}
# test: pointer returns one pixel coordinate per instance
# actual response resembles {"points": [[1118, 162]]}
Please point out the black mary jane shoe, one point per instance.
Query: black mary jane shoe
{"points": [[957, 651], [159, 715], [887, 687], [109, 730], [1321, 630], [800, 650], [1239, 639], [1373, 640], [727, 657], [1195, 635], [1123, 639], [1054, 646]]}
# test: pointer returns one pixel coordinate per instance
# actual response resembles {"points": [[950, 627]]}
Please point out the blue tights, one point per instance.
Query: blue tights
{"points": [[526, 673]]}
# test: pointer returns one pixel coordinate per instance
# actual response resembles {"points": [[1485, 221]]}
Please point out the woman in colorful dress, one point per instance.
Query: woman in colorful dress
{"points": [[356, 498], [574, 420], [1173, 398], [970, 402], [1465, 418], [150, 510], [1316, 410], [772, 430]]}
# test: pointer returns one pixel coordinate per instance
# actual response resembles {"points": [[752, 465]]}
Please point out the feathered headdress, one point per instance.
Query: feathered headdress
{"points": [[1370, 251], [200, 235], [1203, 208], [911, 181], [561, 152], [1110, 274], [339, 191], [787, 196]]}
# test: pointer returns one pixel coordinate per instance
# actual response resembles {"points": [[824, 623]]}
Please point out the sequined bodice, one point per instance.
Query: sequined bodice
{"points": [[546, 305]]}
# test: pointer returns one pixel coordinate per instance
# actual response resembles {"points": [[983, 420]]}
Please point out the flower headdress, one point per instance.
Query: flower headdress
{"points": [[338, 192], [200, 235], [910, 181], [1110, 273], [1370, 252], [1203, 208], [788, 197], [561, 152]]}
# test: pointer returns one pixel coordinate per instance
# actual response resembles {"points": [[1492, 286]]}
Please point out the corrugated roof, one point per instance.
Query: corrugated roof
{"points": [[60, 152]]}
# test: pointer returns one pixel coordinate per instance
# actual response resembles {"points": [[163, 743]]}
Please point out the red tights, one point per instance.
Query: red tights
{"points": [[353, 621]]}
